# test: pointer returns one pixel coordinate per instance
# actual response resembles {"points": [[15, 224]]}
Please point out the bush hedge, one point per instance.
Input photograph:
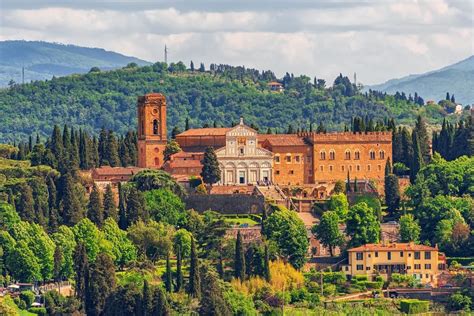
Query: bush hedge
{"points": [[414, 306], [41, 311]]}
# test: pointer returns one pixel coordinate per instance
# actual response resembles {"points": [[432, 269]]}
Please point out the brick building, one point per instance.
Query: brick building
{"points": [[284, 159]]}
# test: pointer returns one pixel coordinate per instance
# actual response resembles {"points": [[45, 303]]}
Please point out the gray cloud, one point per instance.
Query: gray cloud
{"points": [[377, 39]]}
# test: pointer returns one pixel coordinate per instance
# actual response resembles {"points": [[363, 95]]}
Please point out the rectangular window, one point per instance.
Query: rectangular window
{"points": [[342, 168], [277, 159], [427, 276], [277, 172], [359, 255], [417, 266], [321, 168], [288, 158], [367, 268], [368, 167], [428, 266], [389, 255], [427, 255], [330, 168], [401, 253], [297, 159], [417, 255], [360, 267], [376, 254], [292, 172]]}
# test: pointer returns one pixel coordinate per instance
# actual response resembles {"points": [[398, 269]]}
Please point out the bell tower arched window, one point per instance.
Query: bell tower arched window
{"points": [[155, 127]]}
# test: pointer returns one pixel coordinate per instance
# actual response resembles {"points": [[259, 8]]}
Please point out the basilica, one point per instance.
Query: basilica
{"points": [[248, 158]]}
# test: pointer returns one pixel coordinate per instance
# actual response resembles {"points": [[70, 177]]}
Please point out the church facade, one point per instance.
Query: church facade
{"points": [[246, 157]]}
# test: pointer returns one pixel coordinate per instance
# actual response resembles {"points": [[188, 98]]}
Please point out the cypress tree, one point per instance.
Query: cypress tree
{"points": [[101, 284], [81, 267], [210, 167], [388, 167], [84, 157], [135, 204], [175, 132], [102, 148], [186, 126], [239, 259], [250, 255], [40, 198], [95, 208], [348, 183], [356, 189], [124, 154], [160, 303], [168, 278], [123, 222], [423, 138], [179, 272], [95, 157], [147, 299], [110, 208], [70, 207], [74, 152], [407, 147], [213, 301], [56, 145], [112, 150], [25, 204], [194, 286], [220, 266], [417, 159], [30, 144], [57, 267], [392, 193]]}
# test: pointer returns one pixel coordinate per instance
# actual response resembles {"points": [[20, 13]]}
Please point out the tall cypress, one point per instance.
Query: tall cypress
{"points": [[179, 271], [95, 208], [110, 208], [423, 138], [81, 267], [210, 167], [70, 206], [348, 183], [112, 150], [147, 299], [160, 303], [194, 286], [124, 153], [168, 277], [95, 157], [239, 259], [102, 148], [25, 204], [57, 264], [101, 284], [407, 147], [266, 264], [417, 158], [123, 222], [56, 145], [135, 208]]}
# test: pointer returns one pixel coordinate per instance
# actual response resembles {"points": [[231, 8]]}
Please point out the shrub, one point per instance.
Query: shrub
{"points": [[360, 278], [458, 302], [414, 306], [329, 290], [28, 297], [38, 311], [21, 304], [373, 285]]}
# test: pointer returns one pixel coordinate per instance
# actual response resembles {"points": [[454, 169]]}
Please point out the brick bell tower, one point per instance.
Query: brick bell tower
{"points": [[151, 110]]}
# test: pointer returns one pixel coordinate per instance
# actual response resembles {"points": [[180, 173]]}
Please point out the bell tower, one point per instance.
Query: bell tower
{"points": [[151, 110]]}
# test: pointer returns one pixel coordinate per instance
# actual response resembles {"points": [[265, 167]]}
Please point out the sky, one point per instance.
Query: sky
{"points": [[377, 39]]}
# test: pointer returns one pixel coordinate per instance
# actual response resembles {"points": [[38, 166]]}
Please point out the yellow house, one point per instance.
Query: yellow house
{"points": [[423, 262]]}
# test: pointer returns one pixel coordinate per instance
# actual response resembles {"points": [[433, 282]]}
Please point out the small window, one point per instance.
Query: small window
{"points": [[401, 253], [372, 155], [292, 172], [241, 150], [347, 155], [297, 159], [417, 266], [368, 167], [379, 167], [350, 168], [277, 159], [428, 266], [330, 168], [367, 268], [417, 255], [321, 168], [427, 255], [155, 127], [332, 155], [359, 255], [360, 267], [322, 155], [347, 268], [357, 155], [376, 254], [389, 255], [342, 168], [288, 159], [358, 167], [277, 172], [427, 276], [382, 154]]}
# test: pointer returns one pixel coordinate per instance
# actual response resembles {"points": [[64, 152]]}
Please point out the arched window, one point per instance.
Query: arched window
{"points": [[372, 155], [382, 154], [332, 155], [157, 161], [357, 155], [322, 155], [155, 127], [348, 155]]}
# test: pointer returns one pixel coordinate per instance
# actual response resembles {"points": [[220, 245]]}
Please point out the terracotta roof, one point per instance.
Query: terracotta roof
{"points": [[216, 131], [282, 139], [187, 154], [104, 171], [392, 247], [274, 83]]}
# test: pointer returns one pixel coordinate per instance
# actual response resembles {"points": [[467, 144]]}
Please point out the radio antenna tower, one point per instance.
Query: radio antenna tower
{"points": [[355, 79], [23, 75], [166, 54]]}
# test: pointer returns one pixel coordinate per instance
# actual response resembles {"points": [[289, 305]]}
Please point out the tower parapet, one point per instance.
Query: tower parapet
{"points": [[347, 137]]}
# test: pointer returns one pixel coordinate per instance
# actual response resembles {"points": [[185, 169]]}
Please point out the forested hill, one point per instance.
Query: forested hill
{"points": [[216, 96], [43, 60]]}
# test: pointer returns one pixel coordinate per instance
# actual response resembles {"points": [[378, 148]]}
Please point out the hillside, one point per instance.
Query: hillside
{"points": [[108, 99], [457, 79], [44, 60]]}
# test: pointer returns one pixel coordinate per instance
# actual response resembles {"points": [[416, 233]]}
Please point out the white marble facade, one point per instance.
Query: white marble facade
{"points": [[241, 161]]}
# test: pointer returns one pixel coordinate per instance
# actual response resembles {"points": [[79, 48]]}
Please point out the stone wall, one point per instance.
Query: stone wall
{"points": [[226, 203]]}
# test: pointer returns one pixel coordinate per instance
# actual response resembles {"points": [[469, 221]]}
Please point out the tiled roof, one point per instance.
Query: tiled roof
{"points": [[187, 154], [274, 83], [393, 247], [217, 131], [180, 163], [282, 139], [105, 170]]}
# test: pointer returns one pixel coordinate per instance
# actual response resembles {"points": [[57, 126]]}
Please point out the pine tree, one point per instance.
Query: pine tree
{"points": [[25, 204], [194, 286], [81, 267], [95, 208], [101, 284], [110, 208], [417, 159], [202, 68], [447, 96], [290, 129], [239, 259], [179, 272], [102, 148], [210, 167], [168, 278], [135, 209], [70, 207], [112, 150], [175, 132]]}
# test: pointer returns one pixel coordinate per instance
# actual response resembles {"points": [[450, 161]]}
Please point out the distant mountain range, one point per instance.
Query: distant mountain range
{"points": [[457, 79], [43, 60]]}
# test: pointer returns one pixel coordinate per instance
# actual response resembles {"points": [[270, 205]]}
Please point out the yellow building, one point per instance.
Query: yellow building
{"points": [[423, 262]]}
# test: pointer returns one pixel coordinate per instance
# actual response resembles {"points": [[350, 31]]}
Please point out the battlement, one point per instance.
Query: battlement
{"points": [[151, 98], [347, 137]]}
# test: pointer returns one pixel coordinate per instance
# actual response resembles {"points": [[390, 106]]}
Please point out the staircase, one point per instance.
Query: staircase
{"points": [[273, 193]]}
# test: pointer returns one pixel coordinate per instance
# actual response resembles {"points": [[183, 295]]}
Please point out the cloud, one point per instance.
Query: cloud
{"points": [[377, 39]]}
